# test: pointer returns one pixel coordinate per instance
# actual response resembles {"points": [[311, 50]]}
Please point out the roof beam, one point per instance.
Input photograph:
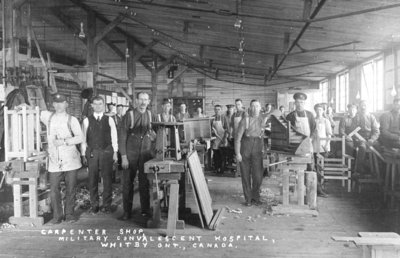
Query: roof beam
{"points": [[109, 27], [303, 30], [18, 3], [117, 29], [375, 9], [145, 50]]}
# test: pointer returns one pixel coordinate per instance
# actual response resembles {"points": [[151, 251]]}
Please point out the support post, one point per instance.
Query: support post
{"points": [[300, 187], [91, 56], [154, 85], [131, 68], [311, 178]]}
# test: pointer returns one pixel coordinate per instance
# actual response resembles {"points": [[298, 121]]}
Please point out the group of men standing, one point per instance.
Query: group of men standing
{"points": [[101, 136]]}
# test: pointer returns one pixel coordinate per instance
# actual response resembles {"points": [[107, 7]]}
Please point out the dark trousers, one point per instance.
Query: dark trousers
{"points": [[217, 158], [138, 153], [55, 192], [251, 167], [100, 160]]}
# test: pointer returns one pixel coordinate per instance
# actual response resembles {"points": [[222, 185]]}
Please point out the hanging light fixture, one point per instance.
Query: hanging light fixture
{"points": [[127, 53], [241, 45], [238, 23], [358, 95], [242, 62], [82, 33]]}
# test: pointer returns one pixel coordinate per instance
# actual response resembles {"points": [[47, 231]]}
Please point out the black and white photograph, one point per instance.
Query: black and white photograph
{"points": [[200, 128]]}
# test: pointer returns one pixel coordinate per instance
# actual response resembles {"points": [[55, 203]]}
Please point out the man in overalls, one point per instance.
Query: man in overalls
{"points": [[304, 122], [99, 152], [249, 147], [135, 141], [219, 127]]}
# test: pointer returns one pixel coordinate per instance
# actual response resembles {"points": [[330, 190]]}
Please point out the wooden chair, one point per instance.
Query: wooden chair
{"points": [[336, 168]]}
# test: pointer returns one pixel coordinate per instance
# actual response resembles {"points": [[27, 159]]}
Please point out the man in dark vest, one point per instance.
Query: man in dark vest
{"points": [[136, 137], [99, 151]]}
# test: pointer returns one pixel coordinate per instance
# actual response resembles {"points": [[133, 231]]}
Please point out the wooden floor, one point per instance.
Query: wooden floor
{"points": [[341, 214]]}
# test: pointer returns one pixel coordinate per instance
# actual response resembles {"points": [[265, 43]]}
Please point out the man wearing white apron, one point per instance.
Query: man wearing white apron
{"points": [[323, 130], [304, 122], [219, 127], [249, 148]]}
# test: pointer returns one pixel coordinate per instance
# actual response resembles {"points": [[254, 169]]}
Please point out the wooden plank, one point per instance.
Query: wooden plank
{"points": [[369, 240], [201, 186], [217, 218], [144, 51], [300, 187], [285, 187], [294, 210], [196, 199], [173, 209], [311, 178], [379, 234], [33, 198]]}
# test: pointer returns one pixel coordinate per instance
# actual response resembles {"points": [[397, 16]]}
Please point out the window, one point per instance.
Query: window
{"points": [[372, 84], [342, 91], [324, 88]]}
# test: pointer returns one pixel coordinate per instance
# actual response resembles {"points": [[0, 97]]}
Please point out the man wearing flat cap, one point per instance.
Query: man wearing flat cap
{"points": [[390, 126], [63, 134]]}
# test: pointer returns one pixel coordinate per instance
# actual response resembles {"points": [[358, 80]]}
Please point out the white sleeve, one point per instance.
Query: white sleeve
{"points": [[114, 135], [85, 126]]}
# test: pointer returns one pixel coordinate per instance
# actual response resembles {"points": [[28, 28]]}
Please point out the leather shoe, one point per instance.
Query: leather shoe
{"points": [[322, 194], [94, 210], [256, 203], [125, 216], [70, 218], [54, 222]]}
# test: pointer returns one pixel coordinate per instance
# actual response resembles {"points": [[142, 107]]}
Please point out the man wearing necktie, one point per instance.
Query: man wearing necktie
{"points": [[99, 151]]}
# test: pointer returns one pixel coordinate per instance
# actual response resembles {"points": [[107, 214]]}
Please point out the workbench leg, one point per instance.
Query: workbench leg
{"points": [[173, 208], [33, 199], [155, 222], [300, 187], [311, 178], [393, 176], [285, 187], [387, 180], [17, 201]]}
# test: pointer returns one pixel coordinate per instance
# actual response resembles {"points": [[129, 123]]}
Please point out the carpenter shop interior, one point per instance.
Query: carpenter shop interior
{"points": [[185, 128]]}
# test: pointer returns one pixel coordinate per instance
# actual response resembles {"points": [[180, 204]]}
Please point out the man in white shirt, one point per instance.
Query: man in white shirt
{"points": [[99, 151], [63, 134]]}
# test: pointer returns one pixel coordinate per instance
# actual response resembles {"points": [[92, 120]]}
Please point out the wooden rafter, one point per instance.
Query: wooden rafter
{"points": [[109, 27], [145, 50]]}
